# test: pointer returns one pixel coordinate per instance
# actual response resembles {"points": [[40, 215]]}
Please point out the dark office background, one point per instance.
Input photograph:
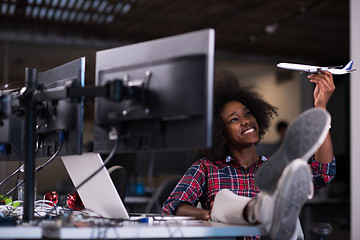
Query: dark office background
{"points": [[45, 34]]}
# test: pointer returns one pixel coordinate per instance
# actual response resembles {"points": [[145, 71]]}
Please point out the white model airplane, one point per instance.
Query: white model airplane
{"points": [[315, 69]]}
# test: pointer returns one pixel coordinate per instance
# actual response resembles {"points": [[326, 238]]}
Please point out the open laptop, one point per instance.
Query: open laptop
{"points": [[99, 194]]}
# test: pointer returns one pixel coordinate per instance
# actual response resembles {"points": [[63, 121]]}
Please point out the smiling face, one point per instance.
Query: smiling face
{"points": [[240, 126]]}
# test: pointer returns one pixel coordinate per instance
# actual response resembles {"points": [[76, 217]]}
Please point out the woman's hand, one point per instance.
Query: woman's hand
{"points": [[188, 210], [324, 88]]}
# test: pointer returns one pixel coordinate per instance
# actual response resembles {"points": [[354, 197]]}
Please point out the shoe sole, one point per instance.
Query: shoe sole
{"points": [[292, 193], [302, 139]]}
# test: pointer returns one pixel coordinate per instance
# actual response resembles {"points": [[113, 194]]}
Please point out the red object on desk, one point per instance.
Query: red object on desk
{"points": [[74, 202], [53, 197]]}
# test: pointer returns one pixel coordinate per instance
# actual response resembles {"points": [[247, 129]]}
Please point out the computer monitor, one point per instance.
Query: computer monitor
{"points": [[11, 136], [53, 116], [62, 115], [164, 94], [11, 128]]}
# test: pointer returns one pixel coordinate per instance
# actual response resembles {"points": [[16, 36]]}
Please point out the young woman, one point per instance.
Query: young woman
{"points": [[241, 117]]}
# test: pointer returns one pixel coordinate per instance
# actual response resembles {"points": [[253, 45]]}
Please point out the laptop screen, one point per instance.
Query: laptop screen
{"points": [[99, 194]]}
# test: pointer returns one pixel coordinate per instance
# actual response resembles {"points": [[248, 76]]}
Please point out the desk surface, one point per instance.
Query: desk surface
{"points": [[21, 232], [131, 230], [134, 230]]}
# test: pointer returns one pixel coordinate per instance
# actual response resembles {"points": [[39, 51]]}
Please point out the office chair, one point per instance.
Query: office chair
{"points": [[161, 194], [320, 230]]}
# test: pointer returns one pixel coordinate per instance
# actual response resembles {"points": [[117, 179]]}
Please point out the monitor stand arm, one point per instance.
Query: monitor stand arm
{"points": [[30, 140]]}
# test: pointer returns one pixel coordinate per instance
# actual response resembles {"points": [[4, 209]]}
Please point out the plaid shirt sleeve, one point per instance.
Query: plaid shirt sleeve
{"points": [[188, 190], [323, 173]]}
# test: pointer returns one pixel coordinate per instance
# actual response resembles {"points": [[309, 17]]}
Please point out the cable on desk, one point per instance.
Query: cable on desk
{"points": [[177, 228], [12, 208], [16, 209]]}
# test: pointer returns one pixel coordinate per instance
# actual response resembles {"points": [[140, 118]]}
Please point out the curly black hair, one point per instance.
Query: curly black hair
{"points": [[227, 87]]}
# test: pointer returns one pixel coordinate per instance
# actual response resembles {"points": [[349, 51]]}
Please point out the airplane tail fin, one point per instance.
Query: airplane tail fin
{"points": [[348, 66]]}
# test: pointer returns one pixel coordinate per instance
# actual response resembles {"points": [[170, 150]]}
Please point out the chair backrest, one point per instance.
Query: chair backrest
{"points": [[119, 176], [161, 194]]}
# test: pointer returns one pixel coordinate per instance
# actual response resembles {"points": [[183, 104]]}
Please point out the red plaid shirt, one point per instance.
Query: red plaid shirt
{"points": [[204, 179]]}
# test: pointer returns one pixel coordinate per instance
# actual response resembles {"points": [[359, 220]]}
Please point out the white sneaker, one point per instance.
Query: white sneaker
{"points": [[303, 138], [278, 213], [229, 207]]}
